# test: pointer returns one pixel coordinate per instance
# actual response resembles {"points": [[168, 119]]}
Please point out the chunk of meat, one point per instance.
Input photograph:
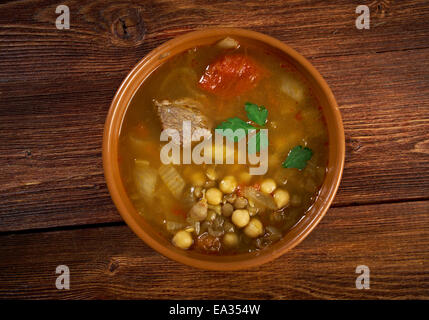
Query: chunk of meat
{"points": [[173, 114], [231, 75], [207, 243]]}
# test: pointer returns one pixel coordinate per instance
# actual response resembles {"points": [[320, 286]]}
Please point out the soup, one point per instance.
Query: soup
{"points": [[223, 205]]}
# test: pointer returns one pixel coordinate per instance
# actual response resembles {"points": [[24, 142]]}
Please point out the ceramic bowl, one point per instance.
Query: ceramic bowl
{"points": [[144, 230]]}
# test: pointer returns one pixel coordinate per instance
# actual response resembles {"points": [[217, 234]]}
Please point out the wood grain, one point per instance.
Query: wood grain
{"points": [[112, 263], [56, 87]]}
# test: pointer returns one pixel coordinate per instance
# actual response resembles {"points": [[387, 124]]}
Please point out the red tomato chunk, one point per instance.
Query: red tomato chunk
{"points": [[231, 75]]}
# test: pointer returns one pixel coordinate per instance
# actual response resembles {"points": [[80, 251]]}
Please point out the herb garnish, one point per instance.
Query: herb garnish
{"points": [[234, 124], [298, 157], [255, 113]]}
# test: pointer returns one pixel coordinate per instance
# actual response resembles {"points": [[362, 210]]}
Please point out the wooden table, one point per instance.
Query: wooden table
{"points": [[55, 90]]}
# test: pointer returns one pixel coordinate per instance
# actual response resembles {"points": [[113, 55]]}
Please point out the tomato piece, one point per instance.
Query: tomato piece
{"points": [[231, 75]]}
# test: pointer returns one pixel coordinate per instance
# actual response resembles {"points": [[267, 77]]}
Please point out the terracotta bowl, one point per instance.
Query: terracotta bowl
{"points": [[113, 126]]}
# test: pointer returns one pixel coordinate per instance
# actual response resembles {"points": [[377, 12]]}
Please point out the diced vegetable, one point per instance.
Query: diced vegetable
{"points": [[198, 211], [145, 179], [172, 180], [228, 43], [259, 198], [292, 88], [173, 226]]}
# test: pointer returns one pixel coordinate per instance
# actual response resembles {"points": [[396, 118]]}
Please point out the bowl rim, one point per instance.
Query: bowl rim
{"points": [[114, 182]]}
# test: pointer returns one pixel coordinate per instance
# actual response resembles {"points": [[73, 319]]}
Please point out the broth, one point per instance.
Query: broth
{"points": [[221, 208]]}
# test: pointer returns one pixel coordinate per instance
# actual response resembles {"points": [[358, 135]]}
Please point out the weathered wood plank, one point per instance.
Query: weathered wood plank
{"points": [[56, 87], [313, 27], [384, 101], [111, 262]]}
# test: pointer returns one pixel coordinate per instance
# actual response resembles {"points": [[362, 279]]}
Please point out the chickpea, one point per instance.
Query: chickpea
{"points": [[240, 218], [254, 229], [281, 198], [214, 196], [182, 239], [230, 239], [268, 186], [228, 184], [198, 179]]}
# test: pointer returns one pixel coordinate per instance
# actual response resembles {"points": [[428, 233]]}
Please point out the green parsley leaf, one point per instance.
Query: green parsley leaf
{"points": [[257, 142], [257, 114], [234, 124], [298, 157]]}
